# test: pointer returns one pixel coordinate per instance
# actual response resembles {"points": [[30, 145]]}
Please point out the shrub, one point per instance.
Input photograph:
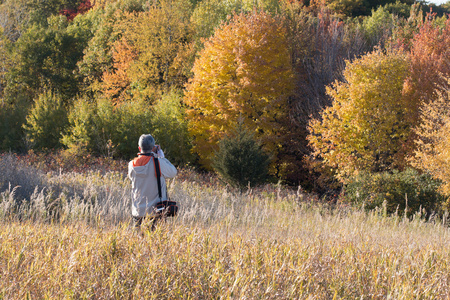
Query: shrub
{"points": [[134, 119], [240, 161], [12, 117], [82, 119], [46, 122], [398, 189], [170, 128], [100, 128]]}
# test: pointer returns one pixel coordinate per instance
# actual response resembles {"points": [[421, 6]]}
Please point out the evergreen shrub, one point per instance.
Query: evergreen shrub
{"points": [[240, 160]]}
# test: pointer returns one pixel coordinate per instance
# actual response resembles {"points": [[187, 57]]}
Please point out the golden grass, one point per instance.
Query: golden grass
{"points": [[269, 243], [341, 257]]}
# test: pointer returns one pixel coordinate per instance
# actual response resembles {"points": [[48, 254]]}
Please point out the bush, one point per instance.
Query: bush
{"points": [[100, 128], [80, 135], [397, 189], [170, 128], [46, 122], [240, 160], [12, 117]]}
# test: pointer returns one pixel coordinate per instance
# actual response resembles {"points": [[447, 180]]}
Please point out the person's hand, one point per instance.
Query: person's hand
{"points": [[156, 148]]}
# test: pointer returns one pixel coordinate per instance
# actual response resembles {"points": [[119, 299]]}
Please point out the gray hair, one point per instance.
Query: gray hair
{"points": [[146, 142]]}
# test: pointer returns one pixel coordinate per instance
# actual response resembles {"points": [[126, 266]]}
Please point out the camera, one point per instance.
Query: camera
{"points": [[156, 148]]}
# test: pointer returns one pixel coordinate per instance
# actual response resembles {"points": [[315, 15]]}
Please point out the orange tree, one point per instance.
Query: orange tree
{"points": [[369, 122], [430, 56], [243, 73]]}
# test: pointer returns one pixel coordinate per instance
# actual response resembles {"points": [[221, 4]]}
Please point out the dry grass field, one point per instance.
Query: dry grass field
{"points": [[71, 239]]}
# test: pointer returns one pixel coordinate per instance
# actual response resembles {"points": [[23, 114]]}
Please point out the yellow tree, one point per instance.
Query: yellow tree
{"points": [[368, 125], [433, 143], [243, 74], [162, 38]]}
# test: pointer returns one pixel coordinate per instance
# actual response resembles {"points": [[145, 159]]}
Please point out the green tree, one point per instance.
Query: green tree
{"points": [[47, 57], [209, 15], [245, 72], [378, 27], [352, 8], [240, 160], [369, 123], [46, 122], [398, 192]]}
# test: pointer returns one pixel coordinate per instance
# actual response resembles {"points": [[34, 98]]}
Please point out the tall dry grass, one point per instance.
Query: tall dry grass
{"points": [[70, 238]]}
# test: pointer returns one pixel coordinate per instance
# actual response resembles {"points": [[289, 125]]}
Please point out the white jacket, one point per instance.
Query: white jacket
{"points": [[144, 188]]}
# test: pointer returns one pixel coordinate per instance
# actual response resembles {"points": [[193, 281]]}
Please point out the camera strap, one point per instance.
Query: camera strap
{"points": [[158, 176]]}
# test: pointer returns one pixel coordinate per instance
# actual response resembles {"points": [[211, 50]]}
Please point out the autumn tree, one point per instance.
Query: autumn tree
{"points": [[116, 83], [155, 52], [14, 18], [433, 140], [104, 21], [430, 56], [320, 43], [244, 72], [369, 122], [72, 12]]}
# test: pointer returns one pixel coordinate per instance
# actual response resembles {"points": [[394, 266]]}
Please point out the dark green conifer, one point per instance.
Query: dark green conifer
{"points": [[240, 161]]}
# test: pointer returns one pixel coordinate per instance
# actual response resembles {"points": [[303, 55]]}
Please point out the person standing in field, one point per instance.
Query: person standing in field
{"points": [[144, 184]]}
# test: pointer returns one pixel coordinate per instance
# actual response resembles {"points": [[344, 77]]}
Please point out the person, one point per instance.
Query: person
{"points": [[144, 185]]}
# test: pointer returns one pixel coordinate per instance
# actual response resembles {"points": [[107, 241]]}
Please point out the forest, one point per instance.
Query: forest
{"points": [[310, 137], [336, 95]]}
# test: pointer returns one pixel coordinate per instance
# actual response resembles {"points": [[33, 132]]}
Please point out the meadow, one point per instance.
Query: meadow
{"points": [[66, 234]]}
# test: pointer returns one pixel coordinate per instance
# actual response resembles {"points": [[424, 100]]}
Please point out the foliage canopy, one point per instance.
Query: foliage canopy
{"points": [[369, 122], [244, 72]]}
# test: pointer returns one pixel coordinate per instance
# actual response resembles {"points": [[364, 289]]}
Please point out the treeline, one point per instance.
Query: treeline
{"points": [[330, 89]]}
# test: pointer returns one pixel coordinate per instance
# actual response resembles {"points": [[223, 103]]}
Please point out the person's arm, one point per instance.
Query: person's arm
{"points": [[167, 169], [160, 153], [130, 169]]}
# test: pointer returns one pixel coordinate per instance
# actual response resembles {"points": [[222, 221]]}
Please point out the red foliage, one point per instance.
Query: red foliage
{"points": [[430, 56], [72, 13]]}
